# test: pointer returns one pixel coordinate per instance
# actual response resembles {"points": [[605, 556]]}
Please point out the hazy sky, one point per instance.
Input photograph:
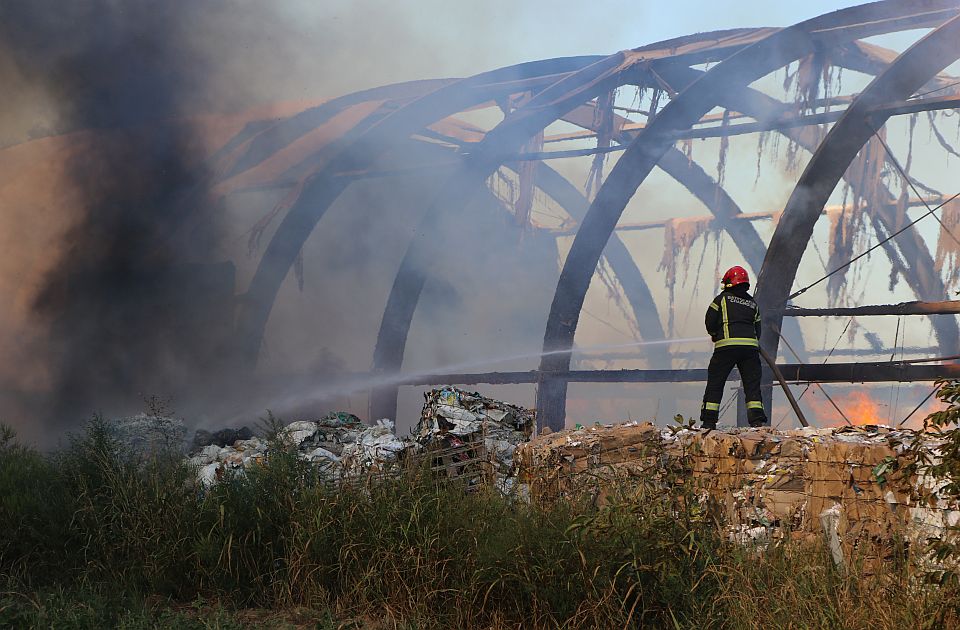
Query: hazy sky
{"points": [[298, 49], [379, 41]]}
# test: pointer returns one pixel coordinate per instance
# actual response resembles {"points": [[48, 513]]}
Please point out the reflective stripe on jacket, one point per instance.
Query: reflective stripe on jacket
{"points": [[733, 319]]}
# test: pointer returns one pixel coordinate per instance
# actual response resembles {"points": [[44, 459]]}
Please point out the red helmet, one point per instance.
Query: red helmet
{"points": [[734, 276]]}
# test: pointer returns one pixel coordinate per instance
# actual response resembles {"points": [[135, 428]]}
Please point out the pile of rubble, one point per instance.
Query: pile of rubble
{"points": [[472, 433], [338, 444], [852, 484], [465, 431]]}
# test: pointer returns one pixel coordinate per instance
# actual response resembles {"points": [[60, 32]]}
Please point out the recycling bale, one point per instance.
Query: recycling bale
{"points": [[471, 435], [854, 487]]}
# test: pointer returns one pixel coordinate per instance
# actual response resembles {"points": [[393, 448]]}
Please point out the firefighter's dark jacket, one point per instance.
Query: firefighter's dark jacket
{"points": [[733, 318]]}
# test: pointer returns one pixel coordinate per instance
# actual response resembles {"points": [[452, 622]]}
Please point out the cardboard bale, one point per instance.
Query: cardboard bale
{"points": [[842, 485]]}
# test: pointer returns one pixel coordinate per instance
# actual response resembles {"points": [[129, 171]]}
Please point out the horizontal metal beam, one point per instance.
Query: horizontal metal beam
{"points": [[694, 355], [868, 372], [795, 372], [711, 131], [716, 223], [947, 307], [894, 108]]}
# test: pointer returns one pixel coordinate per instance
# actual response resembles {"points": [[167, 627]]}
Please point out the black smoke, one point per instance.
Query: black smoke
{"points": [[131, 297]]}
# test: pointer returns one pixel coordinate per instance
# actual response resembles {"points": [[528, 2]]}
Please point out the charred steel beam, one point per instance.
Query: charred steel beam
{"points": [[410, 276], [920, 272], [701, 185], [910, 71], [745, 216], [700, 356], [507, 137], [623, 265], [947, 307], [736, 72], [729, 115], [912, 106], [789, 122], [726, 131], [357, 150], [786, 121], [882, 372]]}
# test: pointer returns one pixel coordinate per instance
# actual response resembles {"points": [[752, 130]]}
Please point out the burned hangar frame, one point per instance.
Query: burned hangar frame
{"points": [[576, 90]]}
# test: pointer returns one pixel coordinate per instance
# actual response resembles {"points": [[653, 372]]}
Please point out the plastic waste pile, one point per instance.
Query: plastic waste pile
{"points": [[849, 485], [453, 419], [339, 444], [468, 433], [374, 446]]}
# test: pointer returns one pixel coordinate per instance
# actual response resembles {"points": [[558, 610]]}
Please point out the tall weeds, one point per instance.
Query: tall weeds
{"points": [[119, 529]]}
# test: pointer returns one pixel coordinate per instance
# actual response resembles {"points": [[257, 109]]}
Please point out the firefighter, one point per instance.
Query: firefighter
{"points": [[733, 322]]}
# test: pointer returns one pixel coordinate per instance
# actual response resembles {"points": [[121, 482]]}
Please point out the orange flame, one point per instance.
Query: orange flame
{"points": [[857, 406], [861, 408]]}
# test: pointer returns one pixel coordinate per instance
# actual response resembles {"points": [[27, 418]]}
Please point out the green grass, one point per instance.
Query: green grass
{"points": [[91, 538]]}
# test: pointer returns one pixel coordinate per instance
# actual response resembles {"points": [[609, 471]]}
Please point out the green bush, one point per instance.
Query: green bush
{"points": [[90, 535]]}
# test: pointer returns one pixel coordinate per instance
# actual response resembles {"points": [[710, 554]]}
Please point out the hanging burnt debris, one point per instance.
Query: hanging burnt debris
{"points": [[948, 249], [847, 226], [603, 121], [679, 236]]}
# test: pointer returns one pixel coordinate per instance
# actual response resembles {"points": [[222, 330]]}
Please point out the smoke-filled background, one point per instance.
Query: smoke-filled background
{"points": [[123, 263]]}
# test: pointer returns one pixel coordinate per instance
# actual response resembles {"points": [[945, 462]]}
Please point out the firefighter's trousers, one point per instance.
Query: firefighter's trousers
{"points": [[747, 360]]}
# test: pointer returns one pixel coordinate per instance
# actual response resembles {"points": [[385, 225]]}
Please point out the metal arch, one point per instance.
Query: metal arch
{"points": [[392, 339], [356, 151], [509, 135], [642, 155], [905, 76], [398, 314], [411, 276], [924, 282], [622, 264], [699, 48], [278, 136]]}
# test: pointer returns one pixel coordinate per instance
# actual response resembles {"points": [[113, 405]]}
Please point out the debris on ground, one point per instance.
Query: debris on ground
{"points": [[338, 443], [466, 436], [374, 447], [475, 431], [850, 486], [221, 438]]}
